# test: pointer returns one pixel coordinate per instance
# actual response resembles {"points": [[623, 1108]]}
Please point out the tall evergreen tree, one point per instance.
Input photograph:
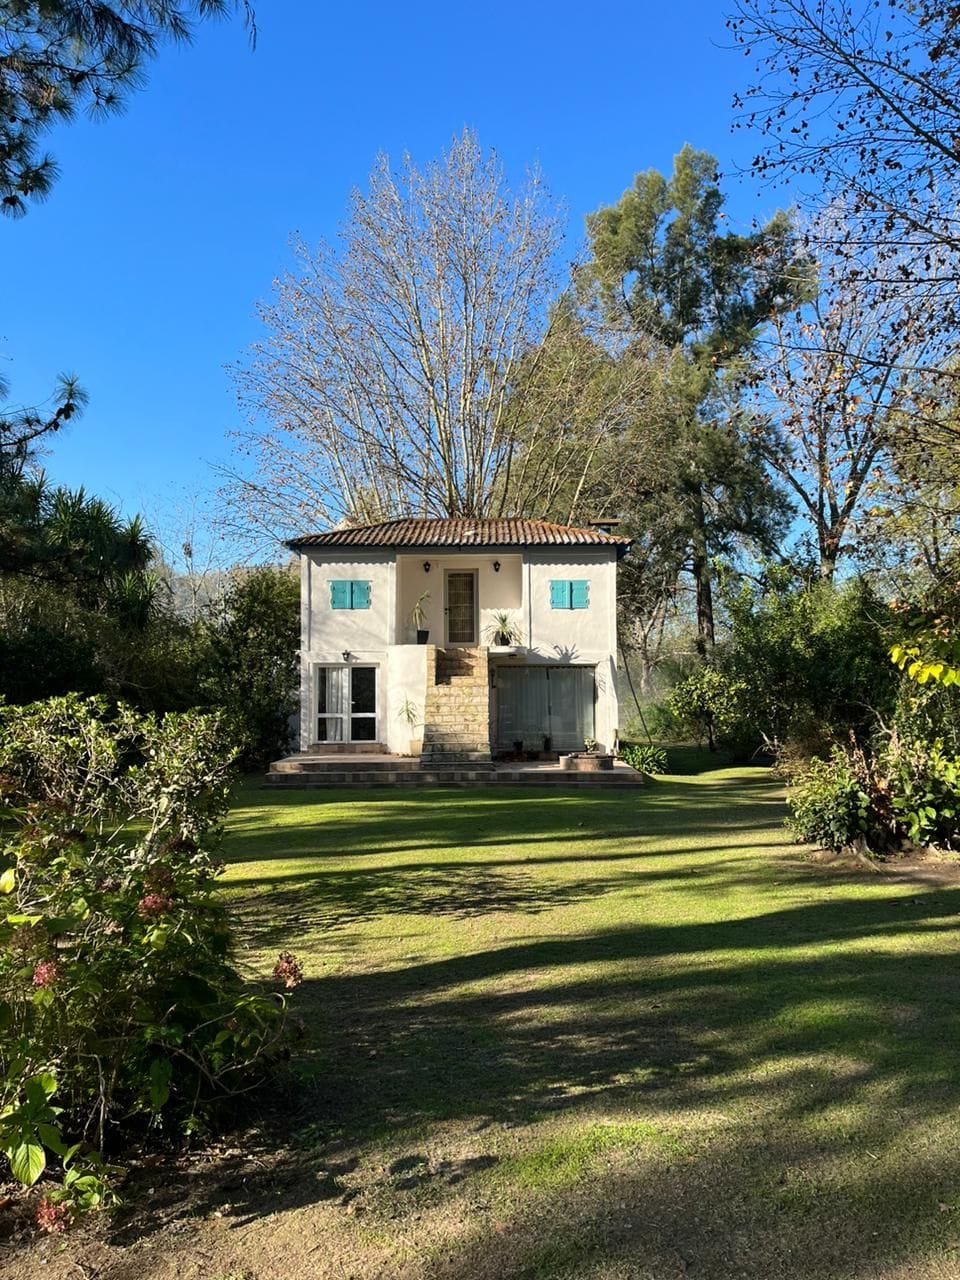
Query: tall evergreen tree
{"points": [[60, 56], [663, 268]]}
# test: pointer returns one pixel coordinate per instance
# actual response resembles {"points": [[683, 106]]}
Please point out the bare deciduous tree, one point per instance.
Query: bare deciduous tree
{"points": [[406, 370], [865, 97], [838, 383]]}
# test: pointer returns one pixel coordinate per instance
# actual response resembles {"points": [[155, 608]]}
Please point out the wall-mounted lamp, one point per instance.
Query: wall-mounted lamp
{"points": [[496, 566], [346, 655], [426, 566]]}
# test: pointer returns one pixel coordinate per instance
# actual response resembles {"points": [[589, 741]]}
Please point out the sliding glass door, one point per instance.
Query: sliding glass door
{"points": [[534, 703]]}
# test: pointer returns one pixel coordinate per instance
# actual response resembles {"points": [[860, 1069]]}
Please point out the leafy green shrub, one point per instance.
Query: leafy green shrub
{"points": [[644, 757], [117, 990], [662, 722], [707, 704], [812, 663], [828, 805], [928, 714], [844, 800], [30, 1128], [926, 792], [907, 790], [251, 662], [929, 650]]}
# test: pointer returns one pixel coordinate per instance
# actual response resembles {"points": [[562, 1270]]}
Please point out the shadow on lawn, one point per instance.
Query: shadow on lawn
{"points": [[815, 1045], [331, 899], [823, 1059], [268, 907], [506, 1033], [465, 882], [386, 821]]}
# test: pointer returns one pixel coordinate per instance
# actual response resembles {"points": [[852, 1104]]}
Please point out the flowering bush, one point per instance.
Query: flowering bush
{"points": [[52, 1217], [118, 996], [287, 971]]}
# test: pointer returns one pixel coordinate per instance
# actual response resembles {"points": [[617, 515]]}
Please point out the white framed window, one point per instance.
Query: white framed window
{"points": [[346, 703]]}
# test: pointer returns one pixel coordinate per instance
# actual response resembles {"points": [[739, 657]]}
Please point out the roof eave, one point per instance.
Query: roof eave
{"points": [[302, 544]]}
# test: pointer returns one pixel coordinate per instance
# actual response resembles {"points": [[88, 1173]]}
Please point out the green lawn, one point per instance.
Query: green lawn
{"points": [[606, 1036]]}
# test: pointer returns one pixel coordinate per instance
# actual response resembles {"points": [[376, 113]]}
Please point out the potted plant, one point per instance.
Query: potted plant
{"points": [[503, 632], [408, 712], [590, 760], [418, 616]]}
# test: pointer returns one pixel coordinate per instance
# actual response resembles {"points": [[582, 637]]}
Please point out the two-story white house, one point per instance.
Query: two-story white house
{"points": [[461, 637]]}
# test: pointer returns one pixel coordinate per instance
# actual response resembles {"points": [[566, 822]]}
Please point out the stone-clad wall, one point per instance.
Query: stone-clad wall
{"points": [[457, 715]]}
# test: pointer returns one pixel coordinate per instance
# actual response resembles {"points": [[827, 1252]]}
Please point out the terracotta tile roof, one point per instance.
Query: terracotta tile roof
{"points": [[460, 534]]}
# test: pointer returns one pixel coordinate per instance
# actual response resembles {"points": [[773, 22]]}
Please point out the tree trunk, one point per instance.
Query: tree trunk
{"points": [[706, 637], [829, 546]]}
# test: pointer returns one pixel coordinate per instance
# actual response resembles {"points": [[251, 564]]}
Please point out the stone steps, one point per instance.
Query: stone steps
{"points": [[407, 772], [457, 711], [294, 765], [461, 755], [463, 776]]}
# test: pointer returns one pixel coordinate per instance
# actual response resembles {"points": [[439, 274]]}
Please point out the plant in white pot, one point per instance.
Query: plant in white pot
{"points": [[410, 713]]}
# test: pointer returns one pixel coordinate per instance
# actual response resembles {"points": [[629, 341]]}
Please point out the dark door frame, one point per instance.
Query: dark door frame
{"points": [[446, 610]]}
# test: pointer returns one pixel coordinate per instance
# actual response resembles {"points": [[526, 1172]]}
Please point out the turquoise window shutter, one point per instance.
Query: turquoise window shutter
{"points": [[559, 595], [580, 595], [361, 595], [340, 594]]}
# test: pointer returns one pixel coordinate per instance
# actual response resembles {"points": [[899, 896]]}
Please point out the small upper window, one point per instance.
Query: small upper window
{"points": [[349, 593], [573, 594]]}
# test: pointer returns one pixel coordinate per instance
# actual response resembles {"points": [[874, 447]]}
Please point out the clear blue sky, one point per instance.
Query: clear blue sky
{"points": [[142, 271]]}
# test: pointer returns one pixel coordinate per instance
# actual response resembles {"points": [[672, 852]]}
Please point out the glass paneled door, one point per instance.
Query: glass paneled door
{"points": [[535, 703], [346, 704], [461, 607]]}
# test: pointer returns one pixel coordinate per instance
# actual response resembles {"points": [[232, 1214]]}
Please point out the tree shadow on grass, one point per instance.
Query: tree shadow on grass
{"points": [[806, 1055], [823, 1036], [268, 907], [818, 1041], [327, 900], [502, 1027], [381, 822], [744, 1210]]}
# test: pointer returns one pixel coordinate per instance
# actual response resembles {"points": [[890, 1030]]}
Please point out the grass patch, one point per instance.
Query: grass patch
{"points": [[566, 1159], [610, 1035]]}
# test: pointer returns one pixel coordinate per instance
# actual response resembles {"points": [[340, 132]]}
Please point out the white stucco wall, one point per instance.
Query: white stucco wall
{"points": [[382, 635], [326, 632], [580, 636], [569, 634], [405, 678], [497, 590], [333, 630]]}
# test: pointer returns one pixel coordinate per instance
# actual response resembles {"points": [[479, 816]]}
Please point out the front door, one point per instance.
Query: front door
{"points": [[461, 608], [346, 704]]}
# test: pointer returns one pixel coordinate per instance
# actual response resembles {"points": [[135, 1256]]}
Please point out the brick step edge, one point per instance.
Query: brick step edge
{"points": [[449, 777], [292, 769]]}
